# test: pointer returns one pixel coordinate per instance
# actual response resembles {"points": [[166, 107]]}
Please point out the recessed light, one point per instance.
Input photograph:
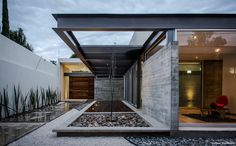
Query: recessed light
{"points": [[196, 57]]}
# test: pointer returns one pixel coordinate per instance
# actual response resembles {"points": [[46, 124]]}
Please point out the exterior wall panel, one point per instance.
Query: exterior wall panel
{"points": [[103, 89], [160, 85]]}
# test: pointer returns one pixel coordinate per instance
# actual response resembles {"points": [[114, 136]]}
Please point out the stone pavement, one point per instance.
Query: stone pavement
{"points": [[45, 137]]}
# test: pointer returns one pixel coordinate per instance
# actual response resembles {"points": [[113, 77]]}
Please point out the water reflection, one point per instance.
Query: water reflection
{"points": [[13, 127], [207, 38]]}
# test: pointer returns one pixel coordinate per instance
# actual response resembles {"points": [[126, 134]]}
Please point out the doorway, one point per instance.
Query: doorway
{"points": [[81, 87], [190, 84]]}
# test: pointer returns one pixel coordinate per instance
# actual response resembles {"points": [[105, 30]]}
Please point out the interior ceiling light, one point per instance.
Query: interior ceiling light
{"points": [[194, 37], [196, 57], [217, 50]]}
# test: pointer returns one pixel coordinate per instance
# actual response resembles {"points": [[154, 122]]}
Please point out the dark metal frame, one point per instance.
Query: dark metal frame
{"points": [[97, 57]]}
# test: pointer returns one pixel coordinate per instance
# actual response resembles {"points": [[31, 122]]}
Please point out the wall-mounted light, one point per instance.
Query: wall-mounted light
{"points": [[189, 71], [232, 70]]}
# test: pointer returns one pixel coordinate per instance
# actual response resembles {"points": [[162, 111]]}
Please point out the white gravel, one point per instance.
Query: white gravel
{"points": [[45, 137]]}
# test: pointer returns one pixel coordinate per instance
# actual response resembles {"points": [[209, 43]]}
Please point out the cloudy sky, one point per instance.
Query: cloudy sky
{"points": [[34, 16]]}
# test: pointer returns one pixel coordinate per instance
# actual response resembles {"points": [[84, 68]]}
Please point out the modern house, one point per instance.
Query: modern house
{"points": [[173, 68]]}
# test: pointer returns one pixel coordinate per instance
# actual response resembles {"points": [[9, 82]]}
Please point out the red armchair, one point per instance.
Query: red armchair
{"points": [[221, 102]]}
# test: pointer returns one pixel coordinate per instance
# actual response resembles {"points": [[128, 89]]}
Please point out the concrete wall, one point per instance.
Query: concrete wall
{"points": [[102, 89], [229, 80], [19, 66], [160, 86]]}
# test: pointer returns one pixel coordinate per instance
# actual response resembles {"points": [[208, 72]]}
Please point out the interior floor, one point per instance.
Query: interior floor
{"points": [[183, 111]]}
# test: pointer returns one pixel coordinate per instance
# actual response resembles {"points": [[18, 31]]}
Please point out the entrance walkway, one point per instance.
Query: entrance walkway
{"points": [[45, 136]]}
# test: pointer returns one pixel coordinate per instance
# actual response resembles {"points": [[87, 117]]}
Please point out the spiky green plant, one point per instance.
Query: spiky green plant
{"points": [[1, 98], [49, 96], [17, 95], [6, 102], [23, 103], [32, 97], [37, 97], [54, 97], [58, 95], [43, 96]]}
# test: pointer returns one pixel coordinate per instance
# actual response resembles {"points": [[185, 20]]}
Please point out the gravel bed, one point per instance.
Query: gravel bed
{"points": [[103, 120], [180, 141]]}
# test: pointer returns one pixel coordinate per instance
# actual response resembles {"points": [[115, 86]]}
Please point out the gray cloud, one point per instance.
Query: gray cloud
{"points": [[34, 16]]}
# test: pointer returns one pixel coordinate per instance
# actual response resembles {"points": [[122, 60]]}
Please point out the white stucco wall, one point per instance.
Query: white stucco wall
{"points": [[20, 66], [229, 80]]}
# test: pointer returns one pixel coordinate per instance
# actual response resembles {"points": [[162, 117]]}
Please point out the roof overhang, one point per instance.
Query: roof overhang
{"points": [[97, 58], [143, 22]]}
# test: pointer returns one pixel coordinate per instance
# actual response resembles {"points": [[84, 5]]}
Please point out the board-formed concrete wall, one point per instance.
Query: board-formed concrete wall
{"points": [[19, 66], [102, 89], [160, 85]]}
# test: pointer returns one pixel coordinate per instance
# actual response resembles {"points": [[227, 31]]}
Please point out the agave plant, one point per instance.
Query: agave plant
{"points": [[37, 98], [23, 103], [17, 96], [32, 101], [6, 102], [43, 97]]}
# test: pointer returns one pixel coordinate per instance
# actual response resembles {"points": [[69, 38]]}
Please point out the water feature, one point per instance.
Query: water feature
{"points": [[15, 127]]}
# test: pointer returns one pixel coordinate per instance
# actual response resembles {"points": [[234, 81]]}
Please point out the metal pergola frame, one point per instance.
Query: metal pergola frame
{"points": [[97, 57]]}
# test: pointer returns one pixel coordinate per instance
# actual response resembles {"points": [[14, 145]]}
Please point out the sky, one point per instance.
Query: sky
{"points": [[35, 17]]}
